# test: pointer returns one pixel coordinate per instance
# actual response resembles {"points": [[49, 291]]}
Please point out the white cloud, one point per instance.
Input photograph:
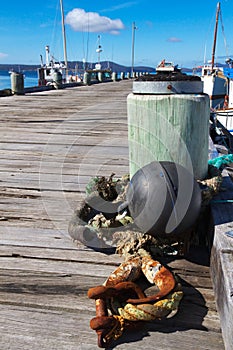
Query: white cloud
{"points": [[120, 6], [173, 39], [3, 55], [82, 21]]}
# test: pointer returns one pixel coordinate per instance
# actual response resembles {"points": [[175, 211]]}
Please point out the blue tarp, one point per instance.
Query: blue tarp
{"points": [[228, 72]]}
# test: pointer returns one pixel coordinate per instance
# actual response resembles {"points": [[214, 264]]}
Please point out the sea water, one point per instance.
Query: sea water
{"points": [[30, 79]]}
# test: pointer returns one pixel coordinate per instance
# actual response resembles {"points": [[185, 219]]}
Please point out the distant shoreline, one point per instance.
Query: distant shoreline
{"points": [[79, 66], [72, 65]]}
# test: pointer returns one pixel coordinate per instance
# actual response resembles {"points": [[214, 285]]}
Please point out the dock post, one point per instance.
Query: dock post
{"points": [[169, 126], [100, 77], [57, 78], [86, 78], [122, 75], [114, 76], [128, 75], [17, 83]]}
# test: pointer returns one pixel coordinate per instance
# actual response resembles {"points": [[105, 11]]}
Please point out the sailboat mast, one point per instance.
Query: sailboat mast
{"points": [[215, 35], [64, 36]]}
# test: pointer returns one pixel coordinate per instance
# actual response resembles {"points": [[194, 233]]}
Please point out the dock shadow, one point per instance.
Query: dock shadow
{"points": [[190, 315]]}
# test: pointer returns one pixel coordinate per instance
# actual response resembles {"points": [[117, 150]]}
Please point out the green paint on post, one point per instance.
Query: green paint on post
{"points": [[169, 127]]}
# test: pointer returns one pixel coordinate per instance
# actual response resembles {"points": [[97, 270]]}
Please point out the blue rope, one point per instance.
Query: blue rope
{"points": [[221, 161], [222, 201]]}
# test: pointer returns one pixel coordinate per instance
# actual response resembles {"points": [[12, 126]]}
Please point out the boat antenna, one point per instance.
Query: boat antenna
{"points": [[88, 37], [47, 52], [215, 35], [205, 55], [64, 37], [41, 61], [133, 44]]}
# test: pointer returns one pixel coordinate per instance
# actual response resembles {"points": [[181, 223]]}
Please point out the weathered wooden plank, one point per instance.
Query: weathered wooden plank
{"points": [[37, 237], [82, 134], [73, 298], [91, 166], [42, 178], [211, 321], [37, 205], [72, 252], [31, 288], [32, 223], [69, 252], [52, 266], [51, 186], [66, 330]]}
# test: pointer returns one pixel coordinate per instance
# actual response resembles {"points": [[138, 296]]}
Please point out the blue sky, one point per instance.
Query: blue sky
{"points": [[179, 31]]}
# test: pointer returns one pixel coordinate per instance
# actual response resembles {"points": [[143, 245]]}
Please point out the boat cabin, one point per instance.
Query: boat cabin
{"points": [[164, 66]]}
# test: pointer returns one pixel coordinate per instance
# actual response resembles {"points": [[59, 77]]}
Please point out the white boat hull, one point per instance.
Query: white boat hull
{"points": [[225, 117], [216, 88]]}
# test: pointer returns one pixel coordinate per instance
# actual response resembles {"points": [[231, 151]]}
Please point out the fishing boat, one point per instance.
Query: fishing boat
{"points": [[218, 84], [222, 118], [214, 81], [51, 70], [214, 84], [225, 114], [166, 66]]}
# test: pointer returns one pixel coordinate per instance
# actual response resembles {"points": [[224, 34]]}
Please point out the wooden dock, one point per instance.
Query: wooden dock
{"points": [[52, 143]]}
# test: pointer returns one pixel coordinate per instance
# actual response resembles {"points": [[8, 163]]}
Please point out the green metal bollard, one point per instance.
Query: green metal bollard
{"points": [[168, 127], [17, 83], [57, 78], [87, 78]]}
